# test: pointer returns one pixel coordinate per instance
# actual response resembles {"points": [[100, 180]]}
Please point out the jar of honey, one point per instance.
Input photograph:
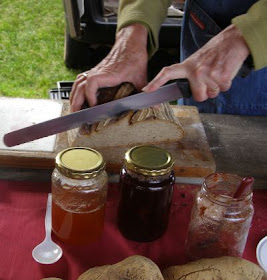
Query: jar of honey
{"points": [[146, 187], [220, 218], [79, 192]]}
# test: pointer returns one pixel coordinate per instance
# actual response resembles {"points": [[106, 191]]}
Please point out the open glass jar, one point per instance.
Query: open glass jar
{"points": [[220, 222], [79, 191], [146, 187]]}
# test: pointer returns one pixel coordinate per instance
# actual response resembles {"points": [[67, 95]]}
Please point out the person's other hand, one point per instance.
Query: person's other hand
{"points": [[126, 62], [211, 69]]}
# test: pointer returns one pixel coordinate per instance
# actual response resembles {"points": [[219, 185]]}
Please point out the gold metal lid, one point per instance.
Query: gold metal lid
{"points": [[148, 160], [80, 162]]}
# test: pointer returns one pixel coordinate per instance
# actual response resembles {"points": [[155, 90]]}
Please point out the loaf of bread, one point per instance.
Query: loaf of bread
{"points": [[146, 126], [51, 278], [132, 268], [224, 268], [137, 267]]}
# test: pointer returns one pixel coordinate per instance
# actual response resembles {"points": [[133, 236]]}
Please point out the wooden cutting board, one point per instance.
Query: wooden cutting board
{"points": [[192, 154]]}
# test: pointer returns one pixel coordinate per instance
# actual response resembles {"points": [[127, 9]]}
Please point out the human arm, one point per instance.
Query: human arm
{"points": [[127, 61], [253, 26], [148, 13], [212, 68]]}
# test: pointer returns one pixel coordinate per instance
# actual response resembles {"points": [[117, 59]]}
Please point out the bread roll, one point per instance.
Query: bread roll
{"points": [[132, 268], [51, 278], [224, 268]]}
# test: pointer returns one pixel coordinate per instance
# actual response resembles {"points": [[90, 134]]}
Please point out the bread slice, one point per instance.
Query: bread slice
{"points": [[146, 126]]}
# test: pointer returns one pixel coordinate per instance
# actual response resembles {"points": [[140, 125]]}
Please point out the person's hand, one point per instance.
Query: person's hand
{"points": [[211, 69], [126, 62]]}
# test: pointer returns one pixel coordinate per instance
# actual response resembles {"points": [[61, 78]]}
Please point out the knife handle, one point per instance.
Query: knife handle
{"points": [[246, 67], [184, 86]]}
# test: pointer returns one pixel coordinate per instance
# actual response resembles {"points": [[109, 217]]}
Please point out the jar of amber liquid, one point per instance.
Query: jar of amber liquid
{"points": [[220, 222], [79, 191], [146, 187]]}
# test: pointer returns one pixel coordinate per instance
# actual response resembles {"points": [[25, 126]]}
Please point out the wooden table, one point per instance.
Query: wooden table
{"points": [[238, 145]]}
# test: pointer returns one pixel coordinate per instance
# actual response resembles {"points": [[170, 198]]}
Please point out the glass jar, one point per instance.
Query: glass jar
{"points": [[146, 187], [79, 192], [219, 223]]}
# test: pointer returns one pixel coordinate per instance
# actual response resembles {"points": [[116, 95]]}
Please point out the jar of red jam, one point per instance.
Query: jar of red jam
{"points": [[79, 192], [220, 220], [146, 187]]}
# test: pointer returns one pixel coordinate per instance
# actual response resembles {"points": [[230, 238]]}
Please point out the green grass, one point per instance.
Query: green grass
{"points": [[32, 47]]}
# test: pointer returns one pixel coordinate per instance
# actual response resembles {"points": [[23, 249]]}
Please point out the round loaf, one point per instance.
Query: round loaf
{"points": [[51, 278], [132, 268], [223, 268]]}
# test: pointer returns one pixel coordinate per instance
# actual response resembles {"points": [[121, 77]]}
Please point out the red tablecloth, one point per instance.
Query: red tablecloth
{"points": [[22, 212]]}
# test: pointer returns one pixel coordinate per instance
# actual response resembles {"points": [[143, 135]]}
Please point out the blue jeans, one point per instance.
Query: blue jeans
{"points": [[247, 96]]}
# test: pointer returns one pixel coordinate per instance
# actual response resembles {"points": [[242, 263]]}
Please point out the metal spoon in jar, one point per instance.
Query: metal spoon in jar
{"points": [[47, 252]]}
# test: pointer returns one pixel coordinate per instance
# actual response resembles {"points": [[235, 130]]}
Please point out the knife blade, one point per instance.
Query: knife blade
{"points": [[91, 115]]}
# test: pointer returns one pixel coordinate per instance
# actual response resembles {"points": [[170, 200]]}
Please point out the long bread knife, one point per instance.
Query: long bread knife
{"points": [[91, 115]]}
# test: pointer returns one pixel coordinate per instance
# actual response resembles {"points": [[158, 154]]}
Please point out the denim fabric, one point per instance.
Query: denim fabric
{"points": [[247, 96]]}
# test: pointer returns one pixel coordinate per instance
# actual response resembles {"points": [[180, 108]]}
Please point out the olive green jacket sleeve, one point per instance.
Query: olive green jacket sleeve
{"points": [[253, 26], [150, 13]]}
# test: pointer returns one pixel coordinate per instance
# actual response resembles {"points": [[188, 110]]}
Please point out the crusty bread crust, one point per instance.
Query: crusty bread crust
{"points": [[132, 268], [146, 126], [223, 268], [123, 131]]}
